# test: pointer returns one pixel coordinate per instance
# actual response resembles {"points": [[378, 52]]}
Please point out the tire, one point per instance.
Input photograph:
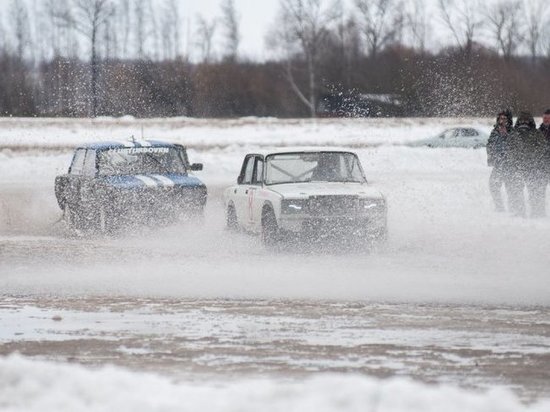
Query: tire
{"points": [[102, 220], [72, 217], [231, 221], [198, 211], [104, 223], [380, 238], [271, 234]]}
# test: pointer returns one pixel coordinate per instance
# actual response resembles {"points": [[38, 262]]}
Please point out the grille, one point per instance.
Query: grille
{"points": [[333, 205]]}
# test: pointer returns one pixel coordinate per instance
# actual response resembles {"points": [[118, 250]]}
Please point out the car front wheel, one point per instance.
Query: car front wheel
{"points": [[104, 220], [270, 230]]}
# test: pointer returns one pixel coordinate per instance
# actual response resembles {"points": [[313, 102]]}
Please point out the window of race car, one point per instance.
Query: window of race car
{"points": [[128, 161], [313, 167]]}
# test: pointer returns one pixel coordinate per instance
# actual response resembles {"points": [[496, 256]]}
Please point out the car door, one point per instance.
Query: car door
{"points": [[87, 179], [73, 183], [241, 191], [255, 199]]}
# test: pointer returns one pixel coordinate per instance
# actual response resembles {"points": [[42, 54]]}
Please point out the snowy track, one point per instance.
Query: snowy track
{"points": [[476, 347]]}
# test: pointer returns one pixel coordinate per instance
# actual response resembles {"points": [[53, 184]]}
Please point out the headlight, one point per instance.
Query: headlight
{"points": [[294, 206], [372, 205]]}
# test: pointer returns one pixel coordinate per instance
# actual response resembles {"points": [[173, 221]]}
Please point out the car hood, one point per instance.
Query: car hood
{"points": [[152, 180], [304, 190]]}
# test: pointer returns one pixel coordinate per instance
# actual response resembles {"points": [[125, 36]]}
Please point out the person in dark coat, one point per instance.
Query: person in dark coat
{"points": [[496, 153], [545, 130], [524, 167]]}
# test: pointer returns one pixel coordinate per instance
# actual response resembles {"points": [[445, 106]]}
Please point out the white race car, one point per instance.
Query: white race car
{"points": [[313, 192]]}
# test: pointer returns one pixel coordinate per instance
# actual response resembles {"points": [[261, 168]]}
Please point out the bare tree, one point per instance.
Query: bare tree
{"points": [[61, 36], [348, 39], [154, 31], [382, 22], [166, 34], [89, 17], [505, 26], [170, 32], [417, 24], [20, 20], [205, 35], [534, 25], [463, 19], [176, 21], [546, 44], [52, 28], [2, 36], [230, 27], [124, 22], [110, 38], [141, 26], [301, 28]]}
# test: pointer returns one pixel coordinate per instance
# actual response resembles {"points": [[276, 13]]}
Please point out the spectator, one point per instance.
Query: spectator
{"points": [[524, 167], [496, 152], [545, 130]]}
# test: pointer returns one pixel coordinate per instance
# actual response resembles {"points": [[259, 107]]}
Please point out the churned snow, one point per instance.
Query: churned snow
{"points": [[34, 386]]}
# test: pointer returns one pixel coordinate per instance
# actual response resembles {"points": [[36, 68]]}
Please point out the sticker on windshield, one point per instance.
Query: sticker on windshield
{"points": [[135, 150]]}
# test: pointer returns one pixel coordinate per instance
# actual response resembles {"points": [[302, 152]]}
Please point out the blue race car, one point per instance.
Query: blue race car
{"points": [[111, 185]]}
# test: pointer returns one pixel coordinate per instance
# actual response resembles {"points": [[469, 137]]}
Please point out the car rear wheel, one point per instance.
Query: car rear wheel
{"points": [[71, 216], [231, 219]]}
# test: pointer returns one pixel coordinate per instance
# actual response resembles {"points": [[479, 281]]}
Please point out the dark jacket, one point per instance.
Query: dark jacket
{"points": [[496, 146], [545, 130], [525, 151]]}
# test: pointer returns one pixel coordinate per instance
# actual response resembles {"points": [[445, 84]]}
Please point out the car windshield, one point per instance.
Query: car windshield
{"points": [[313, 167], [140, 160], [469, 132]]}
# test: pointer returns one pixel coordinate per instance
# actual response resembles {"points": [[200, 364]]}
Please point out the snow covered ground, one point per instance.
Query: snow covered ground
{"points": [[44, 387], [212, 133], [459, 297]]}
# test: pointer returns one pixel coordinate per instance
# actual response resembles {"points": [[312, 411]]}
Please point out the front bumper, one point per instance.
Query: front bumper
{"points": [[344, 225], [334, 215], [157, 202]]}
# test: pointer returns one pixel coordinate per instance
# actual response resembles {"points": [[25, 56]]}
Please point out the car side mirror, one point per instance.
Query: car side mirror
{"points": [[195, 167]]}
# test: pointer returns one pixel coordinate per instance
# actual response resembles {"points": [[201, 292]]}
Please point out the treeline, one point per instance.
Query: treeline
{"points": [[129, 57]]}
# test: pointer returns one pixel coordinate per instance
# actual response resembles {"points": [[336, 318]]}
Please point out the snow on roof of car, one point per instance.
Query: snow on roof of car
{"points": [[121, 144]]}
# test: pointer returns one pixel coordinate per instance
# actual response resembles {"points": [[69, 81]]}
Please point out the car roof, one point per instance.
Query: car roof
{"points": [[460, 128], [301, 149], [130, 144]]}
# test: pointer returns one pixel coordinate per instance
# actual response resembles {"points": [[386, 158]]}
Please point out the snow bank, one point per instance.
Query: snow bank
{"points": [[39, 386], [211, 133], [18, 168]]}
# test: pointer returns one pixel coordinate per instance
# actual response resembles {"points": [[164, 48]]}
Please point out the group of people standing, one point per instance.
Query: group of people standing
{"points": [[520, 156]]}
